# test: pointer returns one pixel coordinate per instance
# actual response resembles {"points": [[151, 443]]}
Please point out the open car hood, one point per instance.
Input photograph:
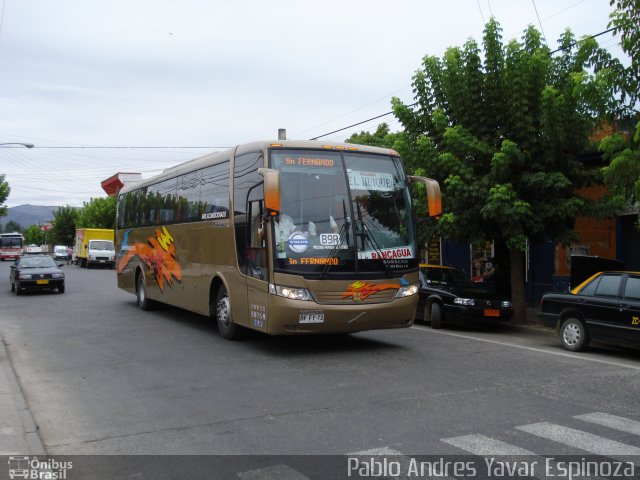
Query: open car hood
{"points": [[584, 266]]}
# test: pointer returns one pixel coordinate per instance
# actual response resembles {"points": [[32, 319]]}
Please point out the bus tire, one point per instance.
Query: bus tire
{"points": [[141, 294], [224, 318]]}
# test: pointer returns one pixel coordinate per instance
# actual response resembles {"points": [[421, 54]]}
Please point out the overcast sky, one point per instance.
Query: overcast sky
{"points": [[213, 74]]}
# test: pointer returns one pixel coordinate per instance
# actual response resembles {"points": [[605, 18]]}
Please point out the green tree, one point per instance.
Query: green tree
{"points": [[625, 20], [622, 174], [381, 138], [501, 130], [98, 213], [4, 194], [12, 226], [33, 235], [64, 225]]}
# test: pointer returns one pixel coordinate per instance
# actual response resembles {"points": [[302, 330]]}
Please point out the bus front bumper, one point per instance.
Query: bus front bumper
{"points": [[298, 317]]}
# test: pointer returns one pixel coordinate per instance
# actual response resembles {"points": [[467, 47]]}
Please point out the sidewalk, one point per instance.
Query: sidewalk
{"points": [[18, 433]]}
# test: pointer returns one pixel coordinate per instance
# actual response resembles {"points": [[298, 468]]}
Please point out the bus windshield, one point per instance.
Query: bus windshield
{"points": [[11, 241], [342, 212]]}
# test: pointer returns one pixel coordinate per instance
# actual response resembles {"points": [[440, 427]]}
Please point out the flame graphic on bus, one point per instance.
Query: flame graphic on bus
{"points": [[359, 291], [159, 254]]}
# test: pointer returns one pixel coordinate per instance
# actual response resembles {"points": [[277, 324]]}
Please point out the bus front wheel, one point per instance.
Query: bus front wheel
{"points": [[224, 318], [141, 294]]}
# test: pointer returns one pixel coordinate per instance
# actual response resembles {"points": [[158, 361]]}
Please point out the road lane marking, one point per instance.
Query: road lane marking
{"points": [[485, 446], [524, 347], [612, 421], [579, 439]]}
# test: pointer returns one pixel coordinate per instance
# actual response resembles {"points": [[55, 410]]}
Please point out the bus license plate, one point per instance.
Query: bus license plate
{"points": [[490, 312], [42, 282], [312, 317]]}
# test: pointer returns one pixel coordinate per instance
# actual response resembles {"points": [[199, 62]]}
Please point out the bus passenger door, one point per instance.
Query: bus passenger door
{"points": [[257, 266]]}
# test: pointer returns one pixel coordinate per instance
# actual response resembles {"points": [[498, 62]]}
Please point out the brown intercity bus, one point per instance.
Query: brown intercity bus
{"points": [[284, 238]]}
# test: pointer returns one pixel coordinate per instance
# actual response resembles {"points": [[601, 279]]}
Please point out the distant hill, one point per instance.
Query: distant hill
{"points": [[27, 215]]}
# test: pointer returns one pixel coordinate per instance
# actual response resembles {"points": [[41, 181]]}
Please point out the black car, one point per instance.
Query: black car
{"points": [[36, 272], [447, 295], [605, 307]]}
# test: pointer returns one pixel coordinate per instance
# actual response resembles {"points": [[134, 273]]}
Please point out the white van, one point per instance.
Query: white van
{"points": [[61, 252]]}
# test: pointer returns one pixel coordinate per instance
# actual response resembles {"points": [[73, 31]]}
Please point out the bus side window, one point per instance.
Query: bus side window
{"points": [[256, 249]]}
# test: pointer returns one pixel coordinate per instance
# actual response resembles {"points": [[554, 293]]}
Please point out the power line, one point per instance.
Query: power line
{"points": [[544, 35], [356, 124], [481, 15], [577, 41]]}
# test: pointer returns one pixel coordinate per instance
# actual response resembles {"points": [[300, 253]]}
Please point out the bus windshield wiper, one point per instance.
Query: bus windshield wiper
{"points": [[344, 234]]}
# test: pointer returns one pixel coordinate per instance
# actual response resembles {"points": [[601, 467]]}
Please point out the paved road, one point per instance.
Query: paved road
{"points": [[99, 376]]}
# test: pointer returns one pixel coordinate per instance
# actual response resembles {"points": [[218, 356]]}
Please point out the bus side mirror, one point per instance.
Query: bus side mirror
{"points": [[271, 190], [434, 198]]}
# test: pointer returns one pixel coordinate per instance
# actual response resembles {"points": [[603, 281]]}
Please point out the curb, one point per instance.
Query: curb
{"points": [[18, 431]]}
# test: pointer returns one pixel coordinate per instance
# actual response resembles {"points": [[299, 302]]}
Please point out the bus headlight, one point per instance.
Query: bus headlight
{"points": [[407, 291], [464, 301], [289, 292]]}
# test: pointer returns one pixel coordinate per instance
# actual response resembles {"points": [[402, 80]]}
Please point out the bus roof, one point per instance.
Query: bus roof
{"points": [[215, 157]]}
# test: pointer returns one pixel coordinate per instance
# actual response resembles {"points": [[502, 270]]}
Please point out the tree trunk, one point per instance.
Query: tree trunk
{"points": [[518, 299]]}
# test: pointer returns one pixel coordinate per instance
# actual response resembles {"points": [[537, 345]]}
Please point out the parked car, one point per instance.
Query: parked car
{"points": [[36, 272], [605, 307], [447, 295]]}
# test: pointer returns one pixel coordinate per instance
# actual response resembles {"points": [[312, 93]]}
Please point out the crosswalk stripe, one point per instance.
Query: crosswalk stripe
{"points": [[579, 439], [612, 421], [275, 472], [377, 451], [481, 445]]}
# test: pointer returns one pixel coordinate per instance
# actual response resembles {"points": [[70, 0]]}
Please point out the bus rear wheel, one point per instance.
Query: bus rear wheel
{"points": [[224, 318]]}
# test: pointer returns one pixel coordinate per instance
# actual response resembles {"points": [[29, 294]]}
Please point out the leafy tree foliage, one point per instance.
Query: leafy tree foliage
{"points": [[98, 213], [4, 194], [33, 235], [12, 226], [64, 225], [622, 175], [381, 138], [500, 129], [625, 20]]}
